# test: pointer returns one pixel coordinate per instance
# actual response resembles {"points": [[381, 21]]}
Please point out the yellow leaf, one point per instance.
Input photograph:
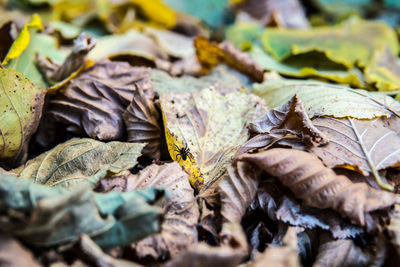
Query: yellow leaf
{"points": [[157, 11], [21, 43]]}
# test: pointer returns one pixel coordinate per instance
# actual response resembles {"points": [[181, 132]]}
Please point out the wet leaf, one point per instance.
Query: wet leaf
{"points": [[44, 216], [366, 146], [93, 103], [351, 43], [204, 130], [210, 54], [284, 256], [323, 99], [142, 124], [12, 253], [21, 108], [79, 161], [318, 186]]}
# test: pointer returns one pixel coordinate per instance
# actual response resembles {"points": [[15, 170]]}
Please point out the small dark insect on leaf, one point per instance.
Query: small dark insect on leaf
{"points": [[183, 152]]}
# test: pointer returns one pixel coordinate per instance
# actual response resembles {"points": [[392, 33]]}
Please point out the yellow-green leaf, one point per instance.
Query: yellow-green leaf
{"points": [[20, 111]]}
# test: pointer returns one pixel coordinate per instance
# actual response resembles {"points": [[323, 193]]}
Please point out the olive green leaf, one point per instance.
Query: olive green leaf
{"points": [[20, 111], [80, 161], [44, 216], [323, 99]]}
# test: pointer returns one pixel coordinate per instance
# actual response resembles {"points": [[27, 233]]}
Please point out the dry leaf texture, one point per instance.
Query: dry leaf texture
{"points": [[318, 186]]}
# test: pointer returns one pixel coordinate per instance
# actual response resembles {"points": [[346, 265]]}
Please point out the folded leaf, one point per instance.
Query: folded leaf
{"points": [[43, 216], [20, 111], [323, 99], [318, 186], [351, 43], [204, 130], [80, 161], [363, 145]]}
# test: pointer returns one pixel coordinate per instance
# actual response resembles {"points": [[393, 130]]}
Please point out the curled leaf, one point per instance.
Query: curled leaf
{"points": [[79, 161], [318, 186]]}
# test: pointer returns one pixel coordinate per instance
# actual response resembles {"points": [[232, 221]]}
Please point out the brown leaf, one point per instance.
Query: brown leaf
{"points": [[284, 122], [394, 228], [181, 211], [283, 13], [342, 252], [142, 124], [284, 256], [318, 186], [210, 54], [12, 253], [363, 145], [94, 102]]}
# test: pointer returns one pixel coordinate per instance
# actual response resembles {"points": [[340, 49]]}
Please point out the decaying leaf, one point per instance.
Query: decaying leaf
{"points": [[363, 145], [318, 186], [394, 228], [12, 253], [351, 43], [44, 216], [181, 212], [80, 161], [204, 130], [93, 103], [210, 55], [142, 124], [284, 256], [20, 111], [323, 99]]}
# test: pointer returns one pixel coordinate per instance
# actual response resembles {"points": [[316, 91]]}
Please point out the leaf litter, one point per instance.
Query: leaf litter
{"points": [[173, 133]]}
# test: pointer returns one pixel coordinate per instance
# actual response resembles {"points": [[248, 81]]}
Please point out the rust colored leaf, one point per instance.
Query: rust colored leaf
{"points": [[142, 124], [210, 54], [181, 211], [363, 145], [93, 103], [318, 186], [284, 256]]}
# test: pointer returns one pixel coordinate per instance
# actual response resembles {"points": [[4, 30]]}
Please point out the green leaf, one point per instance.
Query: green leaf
{"points": [[20, 111], [352, 43], [323, 99], [80, 161], [43, 216]]}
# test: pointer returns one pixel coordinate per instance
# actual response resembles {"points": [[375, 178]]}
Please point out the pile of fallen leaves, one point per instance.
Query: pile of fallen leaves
{"points": [[199, 133]]}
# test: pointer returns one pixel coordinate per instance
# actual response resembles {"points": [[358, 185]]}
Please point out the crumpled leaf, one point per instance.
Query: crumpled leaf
{"points": [[12, 253], [366, 146], [180, 210], [79, 161], [210, 55], [222, 78], [208, 128], [44, 216], [342, 252], [20, 111], [351, 43], [282, 206], [142, 124], [318, 186], [93, 103], [284, 256], [323, 99], [286, 13]]}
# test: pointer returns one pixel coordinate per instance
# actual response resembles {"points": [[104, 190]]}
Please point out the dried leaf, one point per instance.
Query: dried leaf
{"points": [[12, 253], [44, 216], [181, 212], [20, 111], [284, 256], [93, 103], [322, 99], [79, 161], [210, 55], [142, 124], [366, 146], [204, 130], [394, 228], [318, 186]]}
